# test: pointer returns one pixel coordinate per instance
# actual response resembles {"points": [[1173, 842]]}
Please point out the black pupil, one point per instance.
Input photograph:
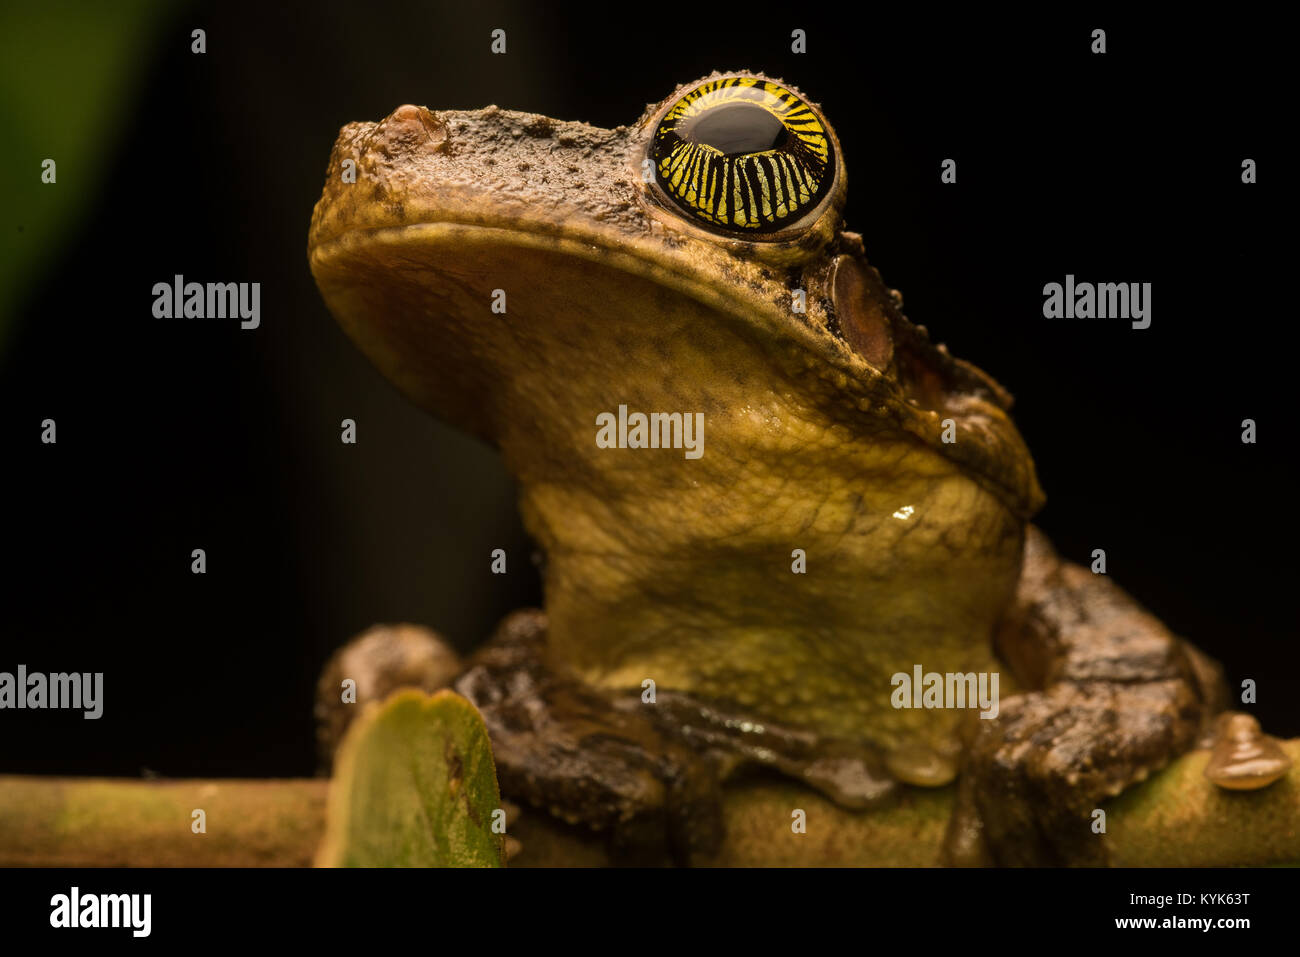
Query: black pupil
{"points": [[738, 128]]}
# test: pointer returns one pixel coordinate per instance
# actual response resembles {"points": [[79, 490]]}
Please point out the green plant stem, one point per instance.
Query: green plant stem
{"points": [[1176, 818]]}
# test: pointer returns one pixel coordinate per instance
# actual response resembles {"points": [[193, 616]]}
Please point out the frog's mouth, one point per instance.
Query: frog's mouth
{"points": [[428, 185]]}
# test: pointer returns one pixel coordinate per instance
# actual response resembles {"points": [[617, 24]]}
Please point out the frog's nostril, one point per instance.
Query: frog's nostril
{"points": [[415, 126]]}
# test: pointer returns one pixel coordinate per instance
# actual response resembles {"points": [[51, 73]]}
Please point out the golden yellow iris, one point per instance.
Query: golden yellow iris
{"points": [[743, 154]]}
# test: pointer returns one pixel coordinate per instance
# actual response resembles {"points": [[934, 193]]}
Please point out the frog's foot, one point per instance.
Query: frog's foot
{"points": [[647, 774], [562, 746], [1120, 697], [513, 847], [850, 774], [1033, 776]]}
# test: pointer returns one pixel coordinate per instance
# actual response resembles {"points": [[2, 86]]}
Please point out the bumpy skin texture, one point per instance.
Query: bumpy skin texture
{"points": [[646, 776], [824, 431], [566, 748], [1116, 696]]}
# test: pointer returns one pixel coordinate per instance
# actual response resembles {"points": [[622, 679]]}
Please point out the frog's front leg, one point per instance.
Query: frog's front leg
{"points": [[1118, 696], [583, 755], [647, 774], [572, 751]]}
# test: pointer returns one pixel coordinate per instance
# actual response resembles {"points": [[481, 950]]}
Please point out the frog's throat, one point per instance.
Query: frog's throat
{"points": [[815, 548]]}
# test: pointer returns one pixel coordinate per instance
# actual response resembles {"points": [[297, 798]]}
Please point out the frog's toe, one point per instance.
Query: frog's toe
{"points": [[853, 775], [922, 767], [514, 847], [1243, 757], [965, 844]]}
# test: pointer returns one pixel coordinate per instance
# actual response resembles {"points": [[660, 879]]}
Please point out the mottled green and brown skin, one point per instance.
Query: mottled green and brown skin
{"points": [[823, 432]]}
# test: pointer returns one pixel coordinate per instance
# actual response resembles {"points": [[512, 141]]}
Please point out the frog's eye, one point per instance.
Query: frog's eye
{"points": [[743, 155]]}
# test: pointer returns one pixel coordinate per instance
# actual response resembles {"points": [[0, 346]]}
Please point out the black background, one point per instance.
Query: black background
{"points": [[219, 906], [181, 435]]}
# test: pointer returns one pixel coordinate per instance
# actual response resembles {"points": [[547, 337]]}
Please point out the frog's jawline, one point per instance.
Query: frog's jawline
{"points": [[860, 390]]}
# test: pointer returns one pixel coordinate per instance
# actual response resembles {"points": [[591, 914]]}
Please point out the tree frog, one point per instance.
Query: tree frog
{"points": [[599, 304]]}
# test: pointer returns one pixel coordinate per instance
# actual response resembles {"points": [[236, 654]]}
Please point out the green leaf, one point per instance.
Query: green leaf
{"points": [[414, 786], [71, 76]]}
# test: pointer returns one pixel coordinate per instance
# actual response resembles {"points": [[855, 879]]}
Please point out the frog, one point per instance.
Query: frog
{"points": [[854, 507]]}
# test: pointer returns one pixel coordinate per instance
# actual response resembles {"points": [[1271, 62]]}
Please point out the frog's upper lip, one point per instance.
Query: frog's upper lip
{"points": [[410, 184]]}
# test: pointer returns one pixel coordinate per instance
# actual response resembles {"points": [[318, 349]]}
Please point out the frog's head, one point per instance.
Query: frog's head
{"points": [[520, 276]]}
